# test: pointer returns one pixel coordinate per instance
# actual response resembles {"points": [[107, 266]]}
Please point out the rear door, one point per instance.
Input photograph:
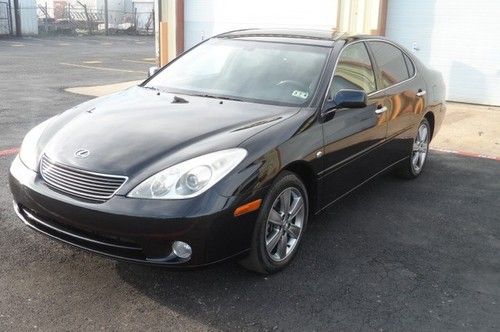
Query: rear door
{"points": [[353, 136], [404, 93]]}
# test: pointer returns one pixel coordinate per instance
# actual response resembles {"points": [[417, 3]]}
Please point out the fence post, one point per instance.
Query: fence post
{"points": [[17, 18], [106, 17], [46, 19], [9, 19], [135, 21], [87, 16]]}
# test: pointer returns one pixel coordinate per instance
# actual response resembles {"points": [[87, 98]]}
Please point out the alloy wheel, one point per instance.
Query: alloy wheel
{"points": [[420, 148], [284, 224]]}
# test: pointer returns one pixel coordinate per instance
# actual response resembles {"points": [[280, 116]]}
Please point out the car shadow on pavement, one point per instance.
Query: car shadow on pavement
{"points": [[393, 255]]}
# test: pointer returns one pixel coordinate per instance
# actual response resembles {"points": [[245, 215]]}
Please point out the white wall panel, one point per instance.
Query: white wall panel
{"points": [[459, 38], [205, 18]]}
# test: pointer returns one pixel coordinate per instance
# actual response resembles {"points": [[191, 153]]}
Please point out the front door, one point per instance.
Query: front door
{"points": [[353, 137]]}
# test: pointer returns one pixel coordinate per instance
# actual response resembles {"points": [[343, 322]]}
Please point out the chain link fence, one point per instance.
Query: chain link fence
{"points": [[84, 17], [5, 18]]}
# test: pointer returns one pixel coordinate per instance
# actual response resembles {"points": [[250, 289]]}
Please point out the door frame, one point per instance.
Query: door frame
{"points": [[381, 19]]}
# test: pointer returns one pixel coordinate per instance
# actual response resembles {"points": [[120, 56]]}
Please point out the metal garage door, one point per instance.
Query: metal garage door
{"points": [[459, 38]]}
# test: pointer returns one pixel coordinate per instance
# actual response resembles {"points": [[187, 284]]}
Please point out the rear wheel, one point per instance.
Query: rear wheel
{"points": [[418, 155], [280, 225]]}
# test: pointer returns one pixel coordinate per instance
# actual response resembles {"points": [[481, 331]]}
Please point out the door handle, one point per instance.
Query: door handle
{"points": [[421, 93], [381, 110]]}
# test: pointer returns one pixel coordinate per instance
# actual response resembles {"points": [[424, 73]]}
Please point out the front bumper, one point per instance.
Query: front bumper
{"points": [[138, 230]]}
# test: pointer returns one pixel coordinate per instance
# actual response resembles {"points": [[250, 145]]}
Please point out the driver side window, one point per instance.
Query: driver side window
{"points": [[354, 71]]}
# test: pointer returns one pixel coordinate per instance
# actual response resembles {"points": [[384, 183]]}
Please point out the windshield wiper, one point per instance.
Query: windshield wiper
{"points": [[204, 95], [150, 88], [216, 97]]}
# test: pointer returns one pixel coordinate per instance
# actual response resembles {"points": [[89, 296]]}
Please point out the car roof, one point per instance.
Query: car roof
{"points": [[293, 36]]}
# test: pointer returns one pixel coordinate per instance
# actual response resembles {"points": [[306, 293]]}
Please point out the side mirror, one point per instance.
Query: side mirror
{"points": [[152, 71], [348, 98]]}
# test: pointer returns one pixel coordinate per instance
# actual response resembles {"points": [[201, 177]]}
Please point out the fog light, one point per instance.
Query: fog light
{"points": [[182, 249]]}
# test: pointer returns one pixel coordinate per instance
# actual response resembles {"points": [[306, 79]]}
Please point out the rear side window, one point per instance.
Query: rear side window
{"points": [[354, 70], [391, 63]]}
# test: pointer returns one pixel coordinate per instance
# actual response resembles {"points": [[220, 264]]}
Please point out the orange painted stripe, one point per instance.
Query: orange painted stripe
{"points": [[8, 152], [468, 154], [249, 207]]}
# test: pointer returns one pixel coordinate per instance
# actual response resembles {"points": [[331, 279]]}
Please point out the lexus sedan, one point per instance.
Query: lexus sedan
{"points": [[230, 149]]}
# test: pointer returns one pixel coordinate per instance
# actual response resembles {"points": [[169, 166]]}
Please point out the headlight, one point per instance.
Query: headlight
{"points": [[190, 178], [28, 153]]}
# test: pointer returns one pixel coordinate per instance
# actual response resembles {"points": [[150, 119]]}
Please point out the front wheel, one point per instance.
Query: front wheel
{"points": [[418, 155], [280, 225]]}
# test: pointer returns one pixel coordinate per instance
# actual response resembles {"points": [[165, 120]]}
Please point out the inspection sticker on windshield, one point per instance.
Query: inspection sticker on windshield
{"points": [[300, 94]]}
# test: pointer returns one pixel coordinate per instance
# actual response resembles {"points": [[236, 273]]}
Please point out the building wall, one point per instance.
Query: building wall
{"points": [[359, 16], [205, 18], [459, 38]]}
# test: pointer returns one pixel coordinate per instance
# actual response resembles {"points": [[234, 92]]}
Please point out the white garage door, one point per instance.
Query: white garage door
{"points": [[205, 18], [459, 38]]}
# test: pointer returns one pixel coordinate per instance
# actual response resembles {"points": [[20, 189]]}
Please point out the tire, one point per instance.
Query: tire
{"points": [[412, 167], [266, 255]]}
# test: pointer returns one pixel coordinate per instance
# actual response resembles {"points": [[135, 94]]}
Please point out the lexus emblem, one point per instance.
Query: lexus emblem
{"points": [[82, 153]]}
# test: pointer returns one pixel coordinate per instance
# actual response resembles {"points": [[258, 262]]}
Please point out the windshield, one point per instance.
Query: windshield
{"points": [[246, 70]]}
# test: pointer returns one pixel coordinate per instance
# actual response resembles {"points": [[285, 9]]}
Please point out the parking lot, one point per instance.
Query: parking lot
{"points": [[394, 255]]}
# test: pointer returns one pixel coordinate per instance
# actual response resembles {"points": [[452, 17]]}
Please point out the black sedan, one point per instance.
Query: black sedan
{"points": [[229, 149]]}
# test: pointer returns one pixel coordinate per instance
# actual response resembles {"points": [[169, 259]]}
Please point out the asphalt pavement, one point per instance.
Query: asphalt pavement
{"points": [[35, 71], [394, 255]]}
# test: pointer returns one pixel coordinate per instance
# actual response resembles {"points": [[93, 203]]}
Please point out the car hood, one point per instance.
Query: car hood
{"points": [[136, 129]]}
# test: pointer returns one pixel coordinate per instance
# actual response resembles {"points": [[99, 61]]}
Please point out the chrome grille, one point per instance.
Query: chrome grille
{"points": [[80, 183]]}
